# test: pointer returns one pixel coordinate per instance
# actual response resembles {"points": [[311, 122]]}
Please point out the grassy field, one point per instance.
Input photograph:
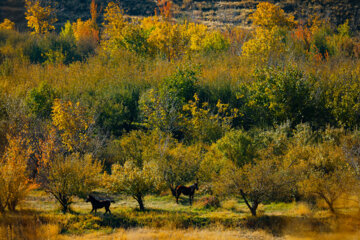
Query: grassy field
{"points": [[39, 218]]}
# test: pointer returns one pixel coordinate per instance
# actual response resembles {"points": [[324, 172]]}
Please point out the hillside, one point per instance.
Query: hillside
{"points": [[214, 12]]}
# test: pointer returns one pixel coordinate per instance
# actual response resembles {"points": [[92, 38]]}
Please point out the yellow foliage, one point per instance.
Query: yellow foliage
{"points": [[70, 176], [72, 122], [167, 38], [268, 15], [85, 30], [14, 182], [7, 25], [204, 125], [270, 21], [40, 19], [113, 26]]}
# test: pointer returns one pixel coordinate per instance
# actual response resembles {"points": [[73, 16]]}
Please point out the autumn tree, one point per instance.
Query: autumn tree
{"points": [[14, 180], [138, 175], [40, 18], [327, 175], [72, 122], [67, 176], [271, 24], [257, 182], [205, 126], [180, 165]]}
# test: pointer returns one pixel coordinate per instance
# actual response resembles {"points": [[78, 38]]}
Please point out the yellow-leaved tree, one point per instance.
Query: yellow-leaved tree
{"points": [[87, 31], [205, 126], [72, 122], [14, 182], [40, 18], [271, 26]]}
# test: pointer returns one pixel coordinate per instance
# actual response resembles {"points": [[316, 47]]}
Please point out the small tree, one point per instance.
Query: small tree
{"points": [[66, 177], [327, 176], [257, 182], [134, 180], [205, 126], [138, 174], [40, 100], [180, 165], [14, 181], [40, 19]]}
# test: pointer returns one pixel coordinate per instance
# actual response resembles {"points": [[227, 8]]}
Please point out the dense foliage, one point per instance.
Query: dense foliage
{"points": [[268, 114]]}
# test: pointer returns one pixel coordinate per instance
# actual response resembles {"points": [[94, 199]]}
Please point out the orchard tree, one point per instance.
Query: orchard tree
{"points": [[67, 176], [327, 176], [40, 18], [258, 182], [134, 180], [138, 175], [180, 165]]}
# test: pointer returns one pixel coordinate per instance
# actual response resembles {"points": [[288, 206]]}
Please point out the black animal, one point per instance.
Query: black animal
{"points": [[188, 191], [96, 204]]}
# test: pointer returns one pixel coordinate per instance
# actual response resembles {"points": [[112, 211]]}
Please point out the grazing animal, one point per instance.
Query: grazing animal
{"points": [[188, 191], [96, 204]]}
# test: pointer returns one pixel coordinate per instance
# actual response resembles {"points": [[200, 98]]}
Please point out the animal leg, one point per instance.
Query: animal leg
{"points": [[92, 210]]}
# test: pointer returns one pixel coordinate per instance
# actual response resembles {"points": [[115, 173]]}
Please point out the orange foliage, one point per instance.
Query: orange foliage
{"points": [[164, 8]]}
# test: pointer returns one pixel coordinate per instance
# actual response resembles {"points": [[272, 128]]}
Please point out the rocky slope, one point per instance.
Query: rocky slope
{"points": [[212, 12]]}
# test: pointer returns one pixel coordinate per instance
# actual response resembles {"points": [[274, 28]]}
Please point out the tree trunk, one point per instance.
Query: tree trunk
{"points": [[252, 207], [140, 202], [12, 205], [2, 208], [65, 203]]}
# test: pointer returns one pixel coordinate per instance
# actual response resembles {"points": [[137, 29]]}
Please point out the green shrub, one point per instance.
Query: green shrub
{"points": [[40, 100]]}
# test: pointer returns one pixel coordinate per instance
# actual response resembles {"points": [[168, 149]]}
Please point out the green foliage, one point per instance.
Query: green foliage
{"points": [[238, 146], [40, 100], [276, 96], [162, 108], [118, 110]]}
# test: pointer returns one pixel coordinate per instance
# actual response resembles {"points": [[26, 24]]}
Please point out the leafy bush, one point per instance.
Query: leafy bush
{"points": [[118, 110], [40, 100]]}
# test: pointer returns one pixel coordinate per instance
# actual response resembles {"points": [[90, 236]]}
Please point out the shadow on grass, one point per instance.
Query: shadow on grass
{"points": [[294, 226]]}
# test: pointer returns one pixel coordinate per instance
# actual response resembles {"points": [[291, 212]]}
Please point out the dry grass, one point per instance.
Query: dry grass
{"points": [[40, 219], [162, 234]]}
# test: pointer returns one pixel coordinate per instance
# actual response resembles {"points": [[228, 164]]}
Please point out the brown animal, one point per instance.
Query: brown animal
{"points": [[96, 204], [188, 191]]}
